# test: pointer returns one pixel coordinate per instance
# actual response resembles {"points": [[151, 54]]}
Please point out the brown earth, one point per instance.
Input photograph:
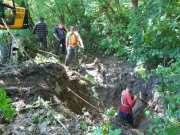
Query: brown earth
{"points": [[57, 84]]}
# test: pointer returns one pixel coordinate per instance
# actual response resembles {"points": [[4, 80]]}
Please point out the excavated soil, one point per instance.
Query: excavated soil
{"points": [[57, 84]]}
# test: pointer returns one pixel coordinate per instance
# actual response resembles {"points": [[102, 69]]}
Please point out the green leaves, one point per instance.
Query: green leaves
{"points": [[172, 130], [110, 112], [173, 25], [115, 132], [98, 131], [151, 128], [84, 126], [83, 82], [95, 93], [163, 18], [88, 77], [8, 111]]}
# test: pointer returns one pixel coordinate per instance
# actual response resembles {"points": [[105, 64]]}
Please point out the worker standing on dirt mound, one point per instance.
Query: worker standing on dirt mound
{"points": [[61, 38], [127, 102], [42, 32], [72, 39]]}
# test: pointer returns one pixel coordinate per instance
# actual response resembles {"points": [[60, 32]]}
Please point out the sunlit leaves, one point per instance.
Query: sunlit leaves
{"points": [[115, 132], [8, 111]]}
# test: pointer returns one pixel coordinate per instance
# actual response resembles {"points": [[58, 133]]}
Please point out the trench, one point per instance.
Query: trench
{"points": [[58, 84], [112, 78]]}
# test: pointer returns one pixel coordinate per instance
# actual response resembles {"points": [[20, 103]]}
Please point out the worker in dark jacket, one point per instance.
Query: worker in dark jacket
{"points": [[60, 37], [41, 30], [127, 102]]}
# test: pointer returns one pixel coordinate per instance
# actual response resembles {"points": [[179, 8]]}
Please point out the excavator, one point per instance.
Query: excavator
{"points": [[16, 18]]}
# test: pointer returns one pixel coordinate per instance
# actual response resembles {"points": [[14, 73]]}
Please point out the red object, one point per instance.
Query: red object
{"points": [[128, 102]]}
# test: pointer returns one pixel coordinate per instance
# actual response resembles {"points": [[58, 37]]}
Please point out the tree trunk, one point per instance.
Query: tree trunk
{"points": [[135, 4], [26, 5]]}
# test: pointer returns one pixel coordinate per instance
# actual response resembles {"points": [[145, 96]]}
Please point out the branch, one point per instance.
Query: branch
{"points": [[86, 102], [56, 118]]}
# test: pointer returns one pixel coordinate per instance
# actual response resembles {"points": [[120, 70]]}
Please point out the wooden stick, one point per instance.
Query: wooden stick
{"points": [[49, 53], [86, 101], [143, 100], [67, 132]]}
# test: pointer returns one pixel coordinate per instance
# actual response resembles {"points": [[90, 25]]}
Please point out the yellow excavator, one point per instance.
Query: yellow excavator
{"points": [[16, 18]]}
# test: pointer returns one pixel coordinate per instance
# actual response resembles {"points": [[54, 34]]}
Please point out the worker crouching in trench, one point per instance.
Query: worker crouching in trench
{"points": [[127, 102]]}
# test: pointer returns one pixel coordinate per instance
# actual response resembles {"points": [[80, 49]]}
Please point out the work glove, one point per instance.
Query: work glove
{"points": [[136, 98]]}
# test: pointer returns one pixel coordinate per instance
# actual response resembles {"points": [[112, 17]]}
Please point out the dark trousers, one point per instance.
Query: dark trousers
{"points": [[43, 40], [127, 117], [62, 41]]}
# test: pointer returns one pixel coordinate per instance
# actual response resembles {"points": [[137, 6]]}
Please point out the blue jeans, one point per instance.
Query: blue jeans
{"points": [[69, 49], [127, 117]]}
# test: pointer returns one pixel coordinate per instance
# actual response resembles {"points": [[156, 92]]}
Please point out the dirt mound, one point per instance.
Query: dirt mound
{"points": [[52, 82]]}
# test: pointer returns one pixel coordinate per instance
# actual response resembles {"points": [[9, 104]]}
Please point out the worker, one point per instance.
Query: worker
{"points": [[72, 39], [127, 102], [41, 30], [61, 38]]}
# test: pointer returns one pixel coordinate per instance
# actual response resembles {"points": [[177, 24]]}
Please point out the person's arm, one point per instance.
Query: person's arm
{"points": [[130, 101], [56, 37], [67, 38], [66, 28], [46, 31], [55, 32], [81, 42]]}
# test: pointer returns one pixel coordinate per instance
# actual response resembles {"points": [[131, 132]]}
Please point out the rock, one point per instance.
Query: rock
{"points": [[3, 120], [57, 89], [3, 129]]}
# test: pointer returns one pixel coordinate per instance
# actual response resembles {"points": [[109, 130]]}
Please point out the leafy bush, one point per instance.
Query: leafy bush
{"points": [[7, 110], [168, 77]]}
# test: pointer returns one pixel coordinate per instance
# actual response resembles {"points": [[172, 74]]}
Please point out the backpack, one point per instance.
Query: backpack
{"points": [[73, 39]]}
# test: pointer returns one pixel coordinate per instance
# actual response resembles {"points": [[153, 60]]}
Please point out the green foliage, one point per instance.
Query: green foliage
{"points": [[88, 77], [95, 93], [106, 128], [110, 112], [169, 78], [83, 82], [47, 117], [8, 111], [115, 132]]}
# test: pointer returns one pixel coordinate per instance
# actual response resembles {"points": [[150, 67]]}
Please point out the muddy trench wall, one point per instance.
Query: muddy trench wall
{"points": [[111, 96], [51, 82]]}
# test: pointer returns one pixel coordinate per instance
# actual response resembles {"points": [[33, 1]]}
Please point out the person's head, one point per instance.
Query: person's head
{"points": [[72, 29], [129, 87], [41, 19], [60, 25]]}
